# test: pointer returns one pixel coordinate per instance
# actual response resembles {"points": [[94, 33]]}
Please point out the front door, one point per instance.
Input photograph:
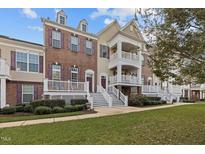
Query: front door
{"points": [[90, 79], [103, 81]]}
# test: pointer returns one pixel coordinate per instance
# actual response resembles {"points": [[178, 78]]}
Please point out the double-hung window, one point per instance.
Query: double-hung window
{"points": [[21, 60], [62, 20], [88, 47], [74, 43], [74, 74], [33, 63], [104, 51], [84, 27], [27, 62], [56, 39], [27, 93], [56, 72]]}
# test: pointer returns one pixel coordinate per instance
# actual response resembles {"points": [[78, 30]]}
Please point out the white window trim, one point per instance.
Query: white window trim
{"points": [[54, 31], [27, 93], [56, 70], [28, 53], [75, 72]]}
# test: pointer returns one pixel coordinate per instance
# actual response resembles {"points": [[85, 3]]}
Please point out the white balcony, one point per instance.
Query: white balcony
{"points": [[4, 69], [124, 80], [53, 87], [124, 58]]}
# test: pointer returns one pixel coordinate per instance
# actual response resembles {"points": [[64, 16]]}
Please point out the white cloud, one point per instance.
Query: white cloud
{"points": [[36, 28], [107, 21], [29, 13], [121, 14]]}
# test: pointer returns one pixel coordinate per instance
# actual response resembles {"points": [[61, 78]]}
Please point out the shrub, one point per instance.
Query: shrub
{"points": [[78, 101], [8, 110], [74, 108], [28, 108], [49, 103], [42, 110], [136, 100], [19, 108], [58, 109]]}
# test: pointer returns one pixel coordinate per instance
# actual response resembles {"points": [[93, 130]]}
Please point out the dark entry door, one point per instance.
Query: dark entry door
{"points": [[103, 81], [89, 79]]}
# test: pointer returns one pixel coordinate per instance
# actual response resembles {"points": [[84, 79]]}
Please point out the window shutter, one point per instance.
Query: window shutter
{"points": [[69, 41], [62, 74], [101, 55], [49, 37], [19, 93], [78, 43], [50, 72], [41, 64], [84, 45], [108, 52], [62, 40], [13, 60], [35, 92]]}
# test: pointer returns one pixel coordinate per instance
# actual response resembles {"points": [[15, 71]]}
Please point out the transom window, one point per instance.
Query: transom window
{"points": [[56, 72], [104, 51], [88, 47], [27, 62], [62, 20], [56, 39], [27, 93], [74, 74], [74, 43]]}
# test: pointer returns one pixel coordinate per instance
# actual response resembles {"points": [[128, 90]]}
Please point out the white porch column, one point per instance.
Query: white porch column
{"points": [[119, 49], [3, 93], [140, 67], [200, 94], [119, 72], [189, 91]]}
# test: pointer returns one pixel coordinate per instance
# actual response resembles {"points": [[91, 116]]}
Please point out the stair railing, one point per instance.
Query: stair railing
{"points": [[115, 91], [123, 98], [107, 97]]}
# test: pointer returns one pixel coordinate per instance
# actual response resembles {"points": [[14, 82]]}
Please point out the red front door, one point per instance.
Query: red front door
{"points": [[89, 79], [103, 82]]}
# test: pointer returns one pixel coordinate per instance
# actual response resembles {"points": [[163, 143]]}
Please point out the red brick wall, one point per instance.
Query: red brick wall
{"points": [[11, 91], [146, 70], [67, 58]]}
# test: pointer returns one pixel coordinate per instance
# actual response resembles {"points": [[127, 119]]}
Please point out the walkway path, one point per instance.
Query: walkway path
{"points": [[101, 111]]}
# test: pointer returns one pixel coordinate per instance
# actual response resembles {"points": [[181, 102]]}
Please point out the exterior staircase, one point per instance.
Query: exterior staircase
{"points": [[99, 100], [115, 100]]}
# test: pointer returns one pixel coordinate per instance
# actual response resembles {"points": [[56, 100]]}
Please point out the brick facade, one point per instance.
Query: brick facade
{"points": [[146, 70], [12, 91], [67, 58]]}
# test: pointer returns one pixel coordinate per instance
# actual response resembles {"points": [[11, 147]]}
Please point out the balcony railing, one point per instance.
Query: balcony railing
{"points": [[4, 68], [126, 79], [65, 86], [126, 57]]}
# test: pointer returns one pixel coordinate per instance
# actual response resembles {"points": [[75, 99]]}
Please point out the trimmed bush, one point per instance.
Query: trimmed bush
{"points": [[19, 108], [136, 100], [28, 108], [58, 109], [78, 101], [40, 110], [8, 110], [74, 108], [49, 103]]}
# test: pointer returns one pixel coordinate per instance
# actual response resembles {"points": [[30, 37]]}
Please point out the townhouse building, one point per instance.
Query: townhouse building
{"points": [[21, 71], [105, 68]]}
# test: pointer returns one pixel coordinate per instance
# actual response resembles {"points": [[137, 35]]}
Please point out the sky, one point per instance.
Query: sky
{"points": [[25, 24]]}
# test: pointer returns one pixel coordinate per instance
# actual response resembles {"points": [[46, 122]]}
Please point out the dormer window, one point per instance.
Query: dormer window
{"points": [[84, 27], [62, 20]]}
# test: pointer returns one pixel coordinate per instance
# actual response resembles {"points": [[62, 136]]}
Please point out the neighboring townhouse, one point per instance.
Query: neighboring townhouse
{"points": [[70, 59], [194, 92], [21, 71]]}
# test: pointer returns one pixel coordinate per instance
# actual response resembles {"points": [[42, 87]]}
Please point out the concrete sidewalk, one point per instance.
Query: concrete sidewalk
{"points": [[101, 111]]}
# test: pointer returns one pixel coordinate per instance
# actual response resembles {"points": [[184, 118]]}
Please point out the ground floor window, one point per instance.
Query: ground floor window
{"points": [[27, 93]]}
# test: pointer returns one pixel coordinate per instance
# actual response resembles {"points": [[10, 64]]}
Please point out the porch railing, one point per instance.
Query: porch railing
{"points": [[63, 86], [107, 97]]}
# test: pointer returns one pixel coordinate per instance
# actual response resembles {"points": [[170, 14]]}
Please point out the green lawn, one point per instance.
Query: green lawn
{"points": [[177, 125], [33, 117]]}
